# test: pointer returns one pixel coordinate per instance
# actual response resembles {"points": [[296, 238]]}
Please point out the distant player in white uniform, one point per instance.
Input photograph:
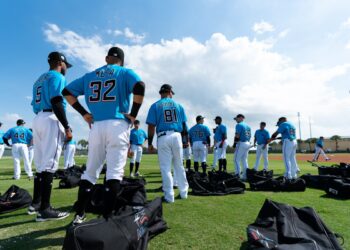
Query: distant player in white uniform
{"points": [[261, 138], [168, 119], [186, 151], [107, 92], [69, 153], [50, 127], [200, 142], [30, 150], [220, 144], [2, 146], [242, 146], [137, 139], [319, 150], [289, 146], [19, 136]]}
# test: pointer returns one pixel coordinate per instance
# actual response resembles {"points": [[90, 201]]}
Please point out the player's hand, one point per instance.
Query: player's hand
{"points": [[221, 144], [130, 154], [89, 119], [129, 117], [151, 149], [69, 134]]}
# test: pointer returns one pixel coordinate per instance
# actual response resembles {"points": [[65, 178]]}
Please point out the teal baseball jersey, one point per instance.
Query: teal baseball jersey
{"points": [[199, 132], [244, 131], [261, 136], [287, 130], [48, 86], [19, 134], [166, 115], [137, 136], [107, 91], [220, 133]]}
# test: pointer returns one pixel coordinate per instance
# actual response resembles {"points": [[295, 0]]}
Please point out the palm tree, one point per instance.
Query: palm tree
{"points": [[336, 138], [311, 141], [83, 143]]}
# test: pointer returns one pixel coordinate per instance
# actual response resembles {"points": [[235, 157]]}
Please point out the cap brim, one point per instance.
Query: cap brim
{"points": [[68, 64], [173, 92]]}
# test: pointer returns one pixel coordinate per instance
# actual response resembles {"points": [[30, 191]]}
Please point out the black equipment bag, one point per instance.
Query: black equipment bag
{"points": [[318, 181], [71, 177], [133, 193], [13, 199], [343, 170], [131, 229], [73, 170], [255, 176], [216, 183], [279, 184], [283, 227], [339, 188]]}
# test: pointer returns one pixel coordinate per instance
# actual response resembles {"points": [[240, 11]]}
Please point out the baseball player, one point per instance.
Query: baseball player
{"points": [[186, 151], [287, 130], [200, 140], [319, 150], [19, 136], [241, 145], [50, 127], [137, 138], [107, 92], [261, 137], [69, 152], [169, 120], [220, 144], [2, 147], [30, 150]]}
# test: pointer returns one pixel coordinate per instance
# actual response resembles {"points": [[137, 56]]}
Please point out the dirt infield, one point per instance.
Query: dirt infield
{"points": [[308, 157]]}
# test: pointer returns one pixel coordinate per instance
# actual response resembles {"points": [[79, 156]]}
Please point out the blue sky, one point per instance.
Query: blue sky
{"points": [[305, 44]]}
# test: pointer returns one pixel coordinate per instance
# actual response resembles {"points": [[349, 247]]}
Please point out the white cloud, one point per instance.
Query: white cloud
{"points": [[129, 35], [346, 24], [263, 27], [226, 77]]}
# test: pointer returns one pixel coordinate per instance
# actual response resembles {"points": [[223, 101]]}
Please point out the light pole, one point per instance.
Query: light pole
{"points": [[299, 132]]}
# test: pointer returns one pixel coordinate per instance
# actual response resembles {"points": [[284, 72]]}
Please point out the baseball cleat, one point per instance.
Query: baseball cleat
{"points": [[137, 174], [51, 214], [33, 209], [79, 219]]}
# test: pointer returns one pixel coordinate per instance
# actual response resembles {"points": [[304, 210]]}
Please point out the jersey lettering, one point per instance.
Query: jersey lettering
{"points": [[38, 94], [170, 115]]}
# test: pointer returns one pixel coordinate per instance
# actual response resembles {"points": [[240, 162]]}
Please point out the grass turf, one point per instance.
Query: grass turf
{"points": [[195, 223]]}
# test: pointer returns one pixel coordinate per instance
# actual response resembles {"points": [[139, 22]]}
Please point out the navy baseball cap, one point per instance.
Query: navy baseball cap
{"points": [[239, 116], [136, 122], [0, 123], [58, 56], [218, 118], [116, 52], [166, 88], [20, 122], [198, 118]]}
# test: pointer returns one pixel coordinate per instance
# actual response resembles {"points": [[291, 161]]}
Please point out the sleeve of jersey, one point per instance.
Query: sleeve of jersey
{"points": [[280, 129], [7, 135], [131, 79], [145, 134], [268, 135], [30, 135], [76, 88], [56, 86], [238, 129], [207, 131], [152, 116]]}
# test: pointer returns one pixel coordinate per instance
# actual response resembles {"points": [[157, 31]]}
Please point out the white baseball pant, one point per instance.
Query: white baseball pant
{"points": [[289, 158], [319, 151], [200, 151], [261, 151], [170, 151], [20, 150], [241, 156], [2, 150], [221, 152], [31, 155], [48, 136], [187, 153], [137, 150], [108, 140], [69, 153]]}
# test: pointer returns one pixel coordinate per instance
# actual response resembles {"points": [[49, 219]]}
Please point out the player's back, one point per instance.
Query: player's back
{"points": [[48, 85], [19, 134], [287, 130], [166, 114], [199, 132], [107, 91]]}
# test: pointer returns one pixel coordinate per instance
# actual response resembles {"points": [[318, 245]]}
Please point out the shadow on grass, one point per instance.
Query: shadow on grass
{"points": [[32, 240], [155, 190], [11, 215], [159, 181], [12, 224]]}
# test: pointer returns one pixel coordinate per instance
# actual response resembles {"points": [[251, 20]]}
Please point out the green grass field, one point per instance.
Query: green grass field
{"points": [[195, 223]]}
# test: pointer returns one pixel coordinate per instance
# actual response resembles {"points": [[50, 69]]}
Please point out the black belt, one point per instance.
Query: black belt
{"points": [[47, 110], [160, 134]]}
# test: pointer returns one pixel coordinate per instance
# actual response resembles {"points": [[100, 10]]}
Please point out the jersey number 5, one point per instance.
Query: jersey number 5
{"points": [[102, 94], [38, 94]]}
